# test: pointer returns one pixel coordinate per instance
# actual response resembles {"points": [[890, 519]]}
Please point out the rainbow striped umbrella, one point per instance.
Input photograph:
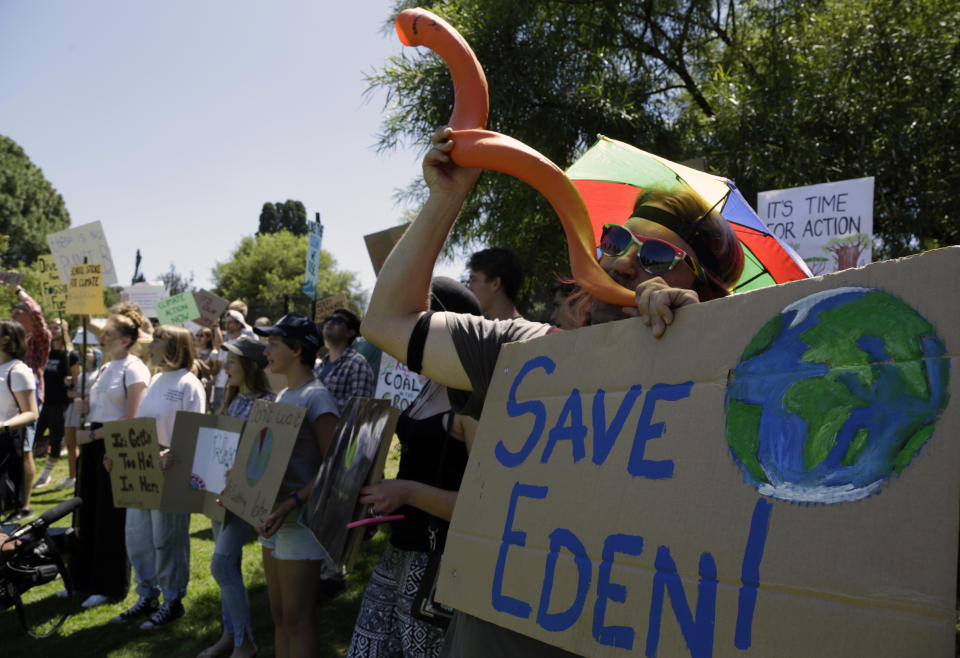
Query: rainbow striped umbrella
{"points": [[611, 173]]}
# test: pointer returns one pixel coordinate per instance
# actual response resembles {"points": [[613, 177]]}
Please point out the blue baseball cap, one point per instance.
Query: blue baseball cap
{"points": [[296, 327]]}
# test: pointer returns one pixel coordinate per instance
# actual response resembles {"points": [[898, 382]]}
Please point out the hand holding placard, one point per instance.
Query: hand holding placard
{"points": [[135, 476]]}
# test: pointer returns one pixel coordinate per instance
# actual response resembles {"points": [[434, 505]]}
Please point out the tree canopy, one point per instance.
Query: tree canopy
{"points": [[768, 93], [266, 268], [287, 216], [29, 207]]}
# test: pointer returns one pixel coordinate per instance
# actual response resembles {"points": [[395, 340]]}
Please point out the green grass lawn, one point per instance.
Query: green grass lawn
{"points": [[88, 633]]}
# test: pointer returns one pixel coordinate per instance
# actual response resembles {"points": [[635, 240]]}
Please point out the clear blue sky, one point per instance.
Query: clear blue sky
{"points": [[173, 122]]}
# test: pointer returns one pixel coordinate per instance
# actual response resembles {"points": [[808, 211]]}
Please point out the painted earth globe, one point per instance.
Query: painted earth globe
{"points": [[837, 392]]}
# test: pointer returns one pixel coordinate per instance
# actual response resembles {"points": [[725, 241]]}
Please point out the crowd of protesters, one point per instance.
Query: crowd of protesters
{"points": [[134, 369]]}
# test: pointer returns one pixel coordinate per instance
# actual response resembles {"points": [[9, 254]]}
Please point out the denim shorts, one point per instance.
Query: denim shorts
{"points": [[31, 436], [293, 542]]}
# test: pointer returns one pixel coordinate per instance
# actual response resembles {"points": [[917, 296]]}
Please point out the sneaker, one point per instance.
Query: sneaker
{"points": [[95, 600], [42, 481], [143, 607], [21, 515], [167, 612], [68, 482]]}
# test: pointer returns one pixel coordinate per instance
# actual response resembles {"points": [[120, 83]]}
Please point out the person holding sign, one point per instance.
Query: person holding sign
{"points": [[99, 566], [292, 557], [82, 381], [246, 383], [18, 408], [673, 251], [158, 543], [62, 365], [432, 461]]}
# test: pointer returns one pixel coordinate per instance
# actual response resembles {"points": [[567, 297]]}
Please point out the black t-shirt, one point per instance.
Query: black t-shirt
{"points": [[58, 367]]}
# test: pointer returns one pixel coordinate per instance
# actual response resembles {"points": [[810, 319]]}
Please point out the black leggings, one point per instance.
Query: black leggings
{"points": [[51, 418]]}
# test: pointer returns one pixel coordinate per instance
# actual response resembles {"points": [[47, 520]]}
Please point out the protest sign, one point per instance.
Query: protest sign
{"points": [[135, 478], [85, 243], [359, 452], [177, 309], [328, 305], [829, 225], [261, 460], [53, 292], [380, 243], [312, 268], [204, 446], [11, 278], [776, 476], [85, 290], [146, 296], [397, 383], [210, 307]]}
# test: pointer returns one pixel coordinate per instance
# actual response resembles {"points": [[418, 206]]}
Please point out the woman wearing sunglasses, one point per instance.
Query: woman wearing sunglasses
{"points": [[673, 250], [680, 250]]}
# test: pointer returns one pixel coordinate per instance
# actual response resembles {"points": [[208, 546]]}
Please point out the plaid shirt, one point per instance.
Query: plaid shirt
{"points": [[241, 405], [350, 376]]}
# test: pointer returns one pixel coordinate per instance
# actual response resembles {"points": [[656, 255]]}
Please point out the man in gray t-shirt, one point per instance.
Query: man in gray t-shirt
{"points": [[460, 352]]}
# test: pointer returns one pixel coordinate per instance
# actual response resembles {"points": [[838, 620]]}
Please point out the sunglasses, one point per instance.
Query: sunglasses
{"points": [[655, 257], [335, 319]]}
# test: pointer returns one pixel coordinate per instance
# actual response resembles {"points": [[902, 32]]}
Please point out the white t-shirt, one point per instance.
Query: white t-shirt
{"points": [[21, 379], [170, 392], [222, 375], [108, 396]]}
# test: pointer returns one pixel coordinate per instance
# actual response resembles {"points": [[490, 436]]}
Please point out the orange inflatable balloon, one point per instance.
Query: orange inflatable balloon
{"points": [[475, 147], [471, 103]]}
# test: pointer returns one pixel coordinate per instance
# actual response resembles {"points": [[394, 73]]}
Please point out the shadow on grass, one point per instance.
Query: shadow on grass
{"points": [[88, 634]]}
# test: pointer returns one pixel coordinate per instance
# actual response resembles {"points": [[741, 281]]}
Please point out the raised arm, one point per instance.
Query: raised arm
{"points": [[402, 292]]}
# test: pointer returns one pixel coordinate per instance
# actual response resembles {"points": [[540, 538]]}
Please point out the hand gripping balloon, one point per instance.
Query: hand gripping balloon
{"points": [[475, 147]]}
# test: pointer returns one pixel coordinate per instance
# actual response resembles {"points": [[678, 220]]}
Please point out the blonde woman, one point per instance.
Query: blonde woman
{"points": [[158, 543], [100, 568]]}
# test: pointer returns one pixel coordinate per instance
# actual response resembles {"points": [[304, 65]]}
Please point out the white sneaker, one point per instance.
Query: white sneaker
{"points": [[42, 481], [68, 482], [94, 600]]}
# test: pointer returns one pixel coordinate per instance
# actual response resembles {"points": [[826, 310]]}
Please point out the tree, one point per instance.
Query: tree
{"points": [[560, 72], [29, 206], [176, 283], [269, 267], [771, 93], [287, 216], [839, 89]]}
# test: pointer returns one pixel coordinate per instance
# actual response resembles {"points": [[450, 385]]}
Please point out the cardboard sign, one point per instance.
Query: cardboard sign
{"points": [[85, 290], [135, 478], [778, 475], [53, 292], [381, 243], [396, 383], [262, 456], [177, 309], [146, 296], [829, 225], [359, 453], [210, 307], [80, 244], [312, 268], [11, 278], [328, 305], [191, 442]]}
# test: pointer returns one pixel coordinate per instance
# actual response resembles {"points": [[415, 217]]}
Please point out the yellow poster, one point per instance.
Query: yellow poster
{"points": [[85, 290]]}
